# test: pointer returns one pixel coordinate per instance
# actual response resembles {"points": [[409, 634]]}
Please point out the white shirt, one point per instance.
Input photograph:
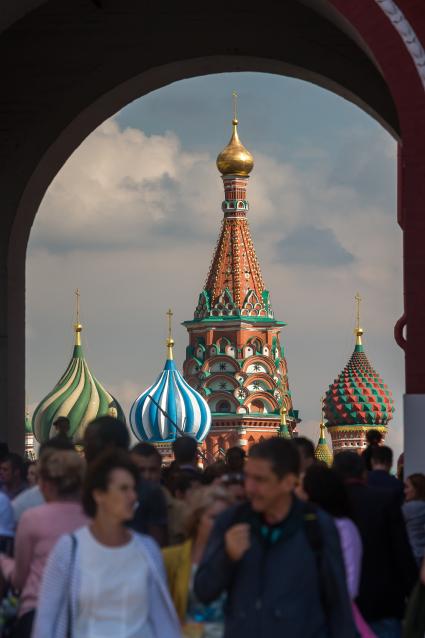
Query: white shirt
{"points": [[113, 601]]}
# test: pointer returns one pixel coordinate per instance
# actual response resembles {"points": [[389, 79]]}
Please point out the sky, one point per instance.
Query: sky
{"points": [[133, 216]]}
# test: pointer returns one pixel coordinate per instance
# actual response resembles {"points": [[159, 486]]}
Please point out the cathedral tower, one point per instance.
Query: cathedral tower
{"points": [[235, 358]]}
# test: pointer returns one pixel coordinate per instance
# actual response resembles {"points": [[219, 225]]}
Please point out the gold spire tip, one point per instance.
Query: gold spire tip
{"points": [[170, 340], [358, 329], [235, 108], [77, 325]]}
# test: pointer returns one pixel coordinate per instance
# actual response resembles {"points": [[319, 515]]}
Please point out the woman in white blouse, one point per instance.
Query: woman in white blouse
{"points": [[105, 580]]}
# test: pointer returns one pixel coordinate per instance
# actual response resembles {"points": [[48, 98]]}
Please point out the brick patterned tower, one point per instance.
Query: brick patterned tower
{"points": [[234, 357], [357, 401]]}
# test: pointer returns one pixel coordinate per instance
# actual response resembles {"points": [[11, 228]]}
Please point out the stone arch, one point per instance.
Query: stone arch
{"points": [[372, 57]]}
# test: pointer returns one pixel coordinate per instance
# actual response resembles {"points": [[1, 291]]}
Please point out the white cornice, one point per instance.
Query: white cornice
{"points": [[407, 34]]}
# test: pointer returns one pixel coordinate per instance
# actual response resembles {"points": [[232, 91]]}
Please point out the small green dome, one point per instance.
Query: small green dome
{"points": [[78, 395]]}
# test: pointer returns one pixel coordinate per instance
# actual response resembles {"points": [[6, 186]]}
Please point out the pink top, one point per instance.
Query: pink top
{"points": [[38, 530]]}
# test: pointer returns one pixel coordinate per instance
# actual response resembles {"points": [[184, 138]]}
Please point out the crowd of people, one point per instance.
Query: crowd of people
{"points": [[107, 542]]}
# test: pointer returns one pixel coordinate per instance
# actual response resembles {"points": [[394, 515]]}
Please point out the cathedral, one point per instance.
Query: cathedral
{"points": [[235, 358], [233, 389]]}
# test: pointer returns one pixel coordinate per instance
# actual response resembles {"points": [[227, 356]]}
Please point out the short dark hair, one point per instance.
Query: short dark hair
{"points": [[16, 461], [349, 465], [281, 453], [235, 459], [382, 454], [98, 475], [185, 449], [103, 433], [304, 446], [373, 437], [325, 487], [147, 450]]}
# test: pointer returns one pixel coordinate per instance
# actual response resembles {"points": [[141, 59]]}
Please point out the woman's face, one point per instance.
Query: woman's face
{"points": [[119, 499], [32, 475], [409, 491], [208, 517]]}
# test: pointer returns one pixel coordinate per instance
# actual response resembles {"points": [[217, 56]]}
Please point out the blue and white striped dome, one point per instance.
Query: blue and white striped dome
{"points": [[184, 405]]}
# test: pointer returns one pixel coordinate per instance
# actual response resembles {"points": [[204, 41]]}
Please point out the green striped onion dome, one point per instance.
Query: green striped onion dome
{"points": [[322, 452], [358, 396], [78, 395]]}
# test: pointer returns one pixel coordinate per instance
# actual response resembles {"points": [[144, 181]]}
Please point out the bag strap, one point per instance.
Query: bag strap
{"points": [[314, 535], [71, 571]]}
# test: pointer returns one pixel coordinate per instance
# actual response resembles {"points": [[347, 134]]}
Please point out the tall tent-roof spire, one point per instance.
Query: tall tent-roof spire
{"points": [[234, 288], [78, 395]]}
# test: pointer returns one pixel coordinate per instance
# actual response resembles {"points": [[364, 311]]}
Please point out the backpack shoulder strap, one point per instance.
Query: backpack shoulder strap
{"points": [[314, 535], [70, 574]]}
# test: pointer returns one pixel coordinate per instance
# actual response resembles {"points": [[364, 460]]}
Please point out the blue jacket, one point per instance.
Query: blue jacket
{"points": [[275, 590]]}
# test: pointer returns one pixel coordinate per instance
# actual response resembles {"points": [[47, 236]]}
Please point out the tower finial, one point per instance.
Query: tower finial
{"points": [[77, 325], [322, 419], [283, 430], [170, 340], [358, 330], [235, 108]]}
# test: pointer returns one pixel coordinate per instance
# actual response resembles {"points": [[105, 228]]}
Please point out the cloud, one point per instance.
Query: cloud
{"points": [[312, 246]]}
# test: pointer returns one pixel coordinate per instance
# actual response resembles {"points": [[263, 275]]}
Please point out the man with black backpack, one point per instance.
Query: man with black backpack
{"points": [[278, 559]]}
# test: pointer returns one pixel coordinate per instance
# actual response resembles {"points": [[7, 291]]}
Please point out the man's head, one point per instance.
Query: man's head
{"points": [[148, 461], [103, 433], [62, 425], [350, 466], [12, 470], [373, 437], [271, 473], [382, 458], [185, 449], [306, 451], [235, 459]]}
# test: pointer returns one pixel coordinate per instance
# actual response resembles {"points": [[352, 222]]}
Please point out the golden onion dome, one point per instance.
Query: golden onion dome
{"points": [[235, 159]]}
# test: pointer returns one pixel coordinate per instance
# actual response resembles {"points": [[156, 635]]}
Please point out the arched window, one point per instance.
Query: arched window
{"points": [[223, 406], [257, 406]]}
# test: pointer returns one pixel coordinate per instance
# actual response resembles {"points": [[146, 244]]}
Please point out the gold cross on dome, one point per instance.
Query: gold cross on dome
{"points": [[77, 295], [235, 105], [358, 302], [170, 316]]}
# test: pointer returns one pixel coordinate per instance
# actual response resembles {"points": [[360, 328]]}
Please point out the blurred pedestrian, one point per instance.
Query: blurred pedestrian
{"points": [[324, 487], [306, 450], [106, 580], [374, 440], [181, 562], [32, 474], [150, 517], [12, 475], [61, 476], [388, 567], [235, 460], [414, 514], [149, 461], [381, 460], [278, 559]]}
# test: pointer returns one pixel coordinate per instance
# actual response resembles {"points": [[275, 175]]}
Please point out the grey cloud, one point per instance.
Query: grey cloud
{"points": [[313, 247]]}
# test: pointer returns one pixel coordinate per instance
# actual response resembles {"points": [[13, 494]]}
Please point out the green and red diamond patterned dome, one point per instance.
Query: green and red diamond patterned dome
{"points": [[358, 396]]}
